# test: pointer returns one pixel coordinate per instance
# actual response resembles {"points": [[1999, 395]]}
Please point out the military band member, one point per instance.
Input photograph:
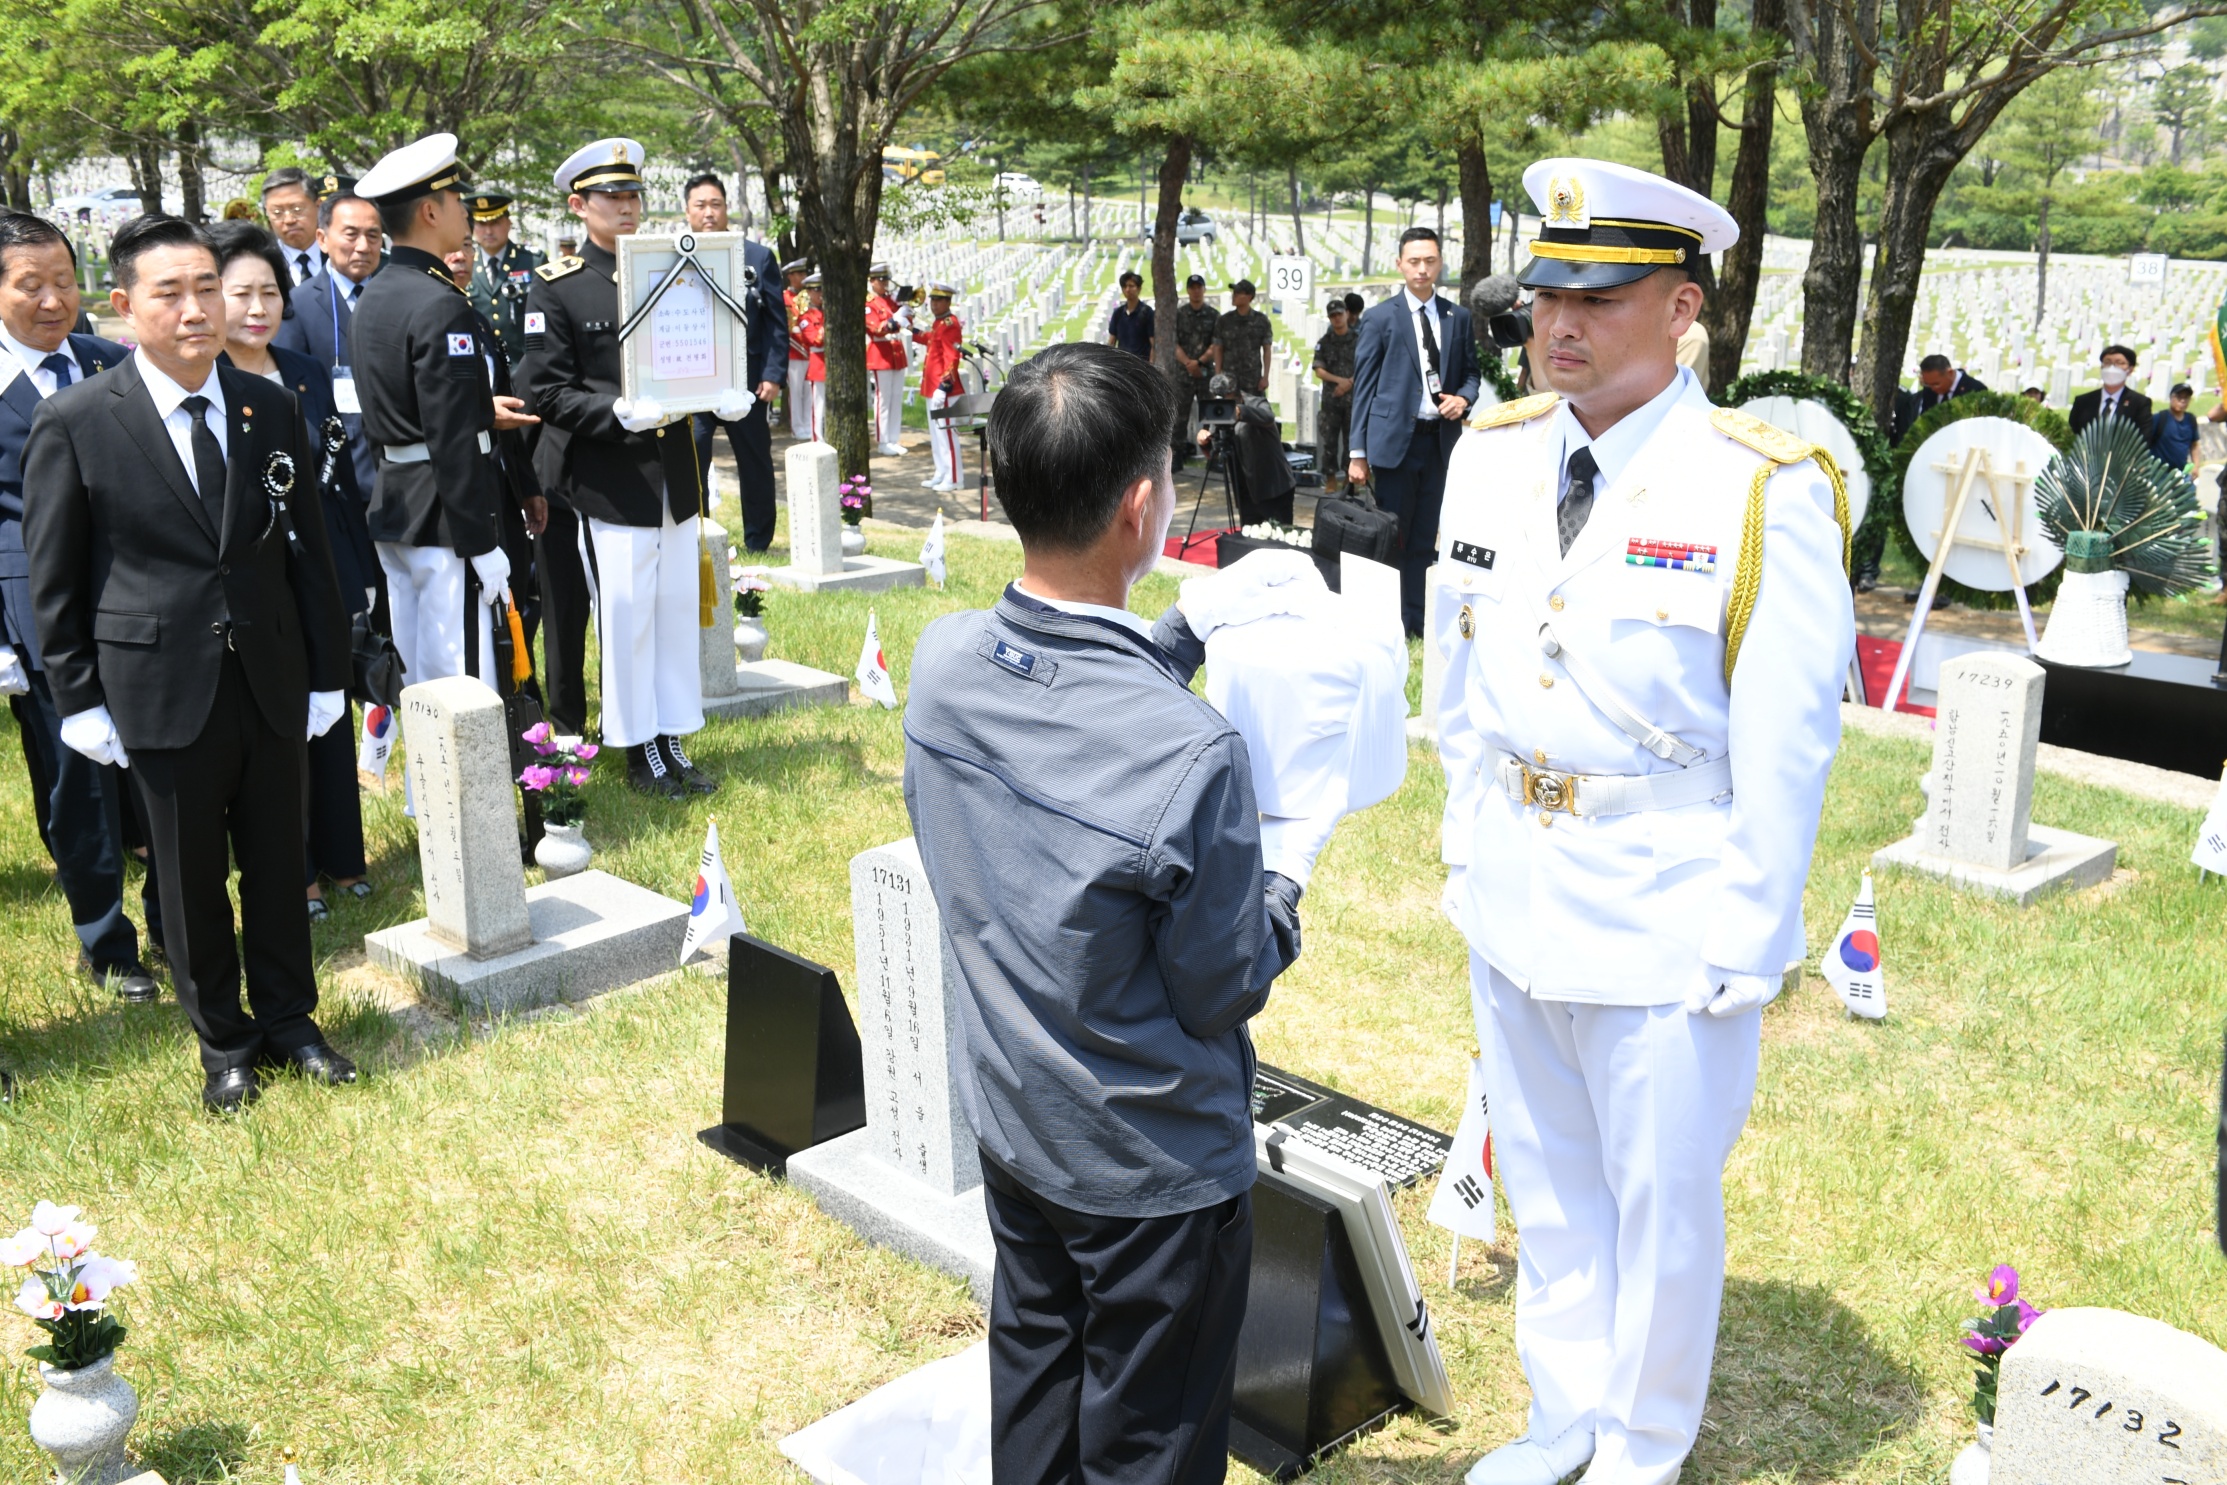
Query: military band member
{"points": [[1646, 620], [888, 358], [795, 300], [811, 329], [430, 414], [501, 270], [1334, 369], [630, 472], [939, 383]]}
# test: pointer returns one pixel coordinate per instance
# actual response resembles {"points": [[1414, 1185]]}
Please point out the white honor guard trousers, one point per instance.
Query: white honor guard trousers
{"points": [[943, 439], [429, 603], [800, 404], [889, 402], [1611, 1125], [645, 589]]}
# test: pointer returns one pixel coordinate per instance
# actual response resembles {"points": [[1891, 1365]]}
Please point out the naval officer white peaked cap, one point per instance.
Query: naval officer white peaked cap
{"points": [[606, 165], [417, 169], [1607, 224]]}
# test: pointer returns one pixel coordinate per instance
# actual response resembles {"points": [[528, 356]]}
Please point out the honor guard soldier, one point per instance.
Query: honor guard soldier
{"points": [[1645, 614], [887, 358], [501, 270], [795, 301], [939, 383], [629, 471], [430, 414]]}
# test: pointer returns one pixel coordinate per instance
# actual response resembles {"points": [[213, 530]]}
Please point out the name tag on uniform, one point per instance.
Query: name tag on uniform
{"points": [[1019, 661], [461, 345], [594, 325], [344, 394], [1473, 555]]}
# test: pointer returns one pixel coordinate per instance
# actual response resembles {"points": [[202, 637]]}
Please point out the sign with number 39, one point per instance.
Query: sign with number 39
{"points": [[1291, 279]]}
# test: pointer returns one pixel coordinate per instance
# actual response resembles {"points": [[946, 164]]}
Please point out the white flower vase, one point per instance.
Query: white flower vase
{"points": [[82, 1419], [2087, 622], [1972, 1465], [562, 851], [854, 541], [750, 638]]}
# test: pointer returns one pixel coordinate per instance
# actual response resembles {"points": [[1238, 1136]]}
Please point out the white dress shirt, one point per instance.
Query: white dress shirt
{"points": [[41, 377], [1416, 309], [1614, 449], [176, 421], [349, 290], [303, 264], [1119, 616]]}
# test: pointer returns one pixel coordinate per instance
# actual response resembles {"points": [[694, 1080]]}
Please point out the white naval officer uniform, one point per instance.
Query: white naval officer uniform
{"points": [[1614, 1109]]}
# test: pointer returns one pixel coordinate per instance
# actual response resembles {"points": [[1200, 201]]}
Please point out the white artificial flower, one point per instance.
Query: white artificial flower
{"points": [[98, 1278], [23, 1250], [34, 1301], [50, 1220], [74, 1240]]}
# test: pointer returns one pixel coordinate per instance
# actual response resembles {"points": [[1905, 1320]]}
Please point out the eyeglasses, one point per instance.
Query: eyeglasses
{"points": [[288, 212]]}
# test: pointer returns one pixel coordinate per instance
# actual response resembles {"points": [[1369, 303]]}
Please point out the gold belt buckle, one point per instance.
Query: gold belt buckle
{"points": [[1550, 791]]}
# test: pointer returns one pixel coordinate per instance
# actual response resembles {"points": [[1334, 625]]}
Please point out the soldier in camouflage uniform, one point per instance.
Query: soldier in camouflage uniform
{"points": [[501, 270], [1241, 340], [1334, 369], [1194, 339]]}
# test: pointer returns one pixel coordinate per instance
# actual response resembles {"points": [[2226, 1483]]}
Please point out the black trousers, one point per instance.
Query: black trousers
{"points": [[1413, 490], [564, 619], [233, 795], [80, 808], [335, 813], [1113, 1340], [752, 441]]}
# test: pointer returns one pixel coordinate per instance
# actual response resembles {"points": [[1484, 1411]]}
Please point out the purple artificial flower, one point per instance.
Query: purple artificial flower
{"points": [[536, 734], [2027, 1315], [1986, 1345], [576, 776], [586, 751], [538, 777], [2002, 1286]]}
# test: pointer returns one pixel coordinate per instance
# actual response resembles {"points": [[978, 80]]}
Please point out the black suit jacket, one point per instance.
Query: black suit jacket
{"points": [[2132, 404], [1388, 380], [138, 593], [355, 564], [323, 328], [19, 404], [768, 326]]}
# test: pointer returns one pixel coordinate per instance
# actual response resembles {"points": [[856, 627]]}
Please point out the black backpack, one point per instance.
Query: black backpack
{"points": [[1353, 522]]}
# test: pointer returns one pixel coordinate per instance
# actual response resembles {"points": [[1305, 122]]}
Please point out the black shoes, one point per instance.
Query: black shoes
{"points": [[692, 778], [230, 1091], [319, 1063], [130, 983], [647, 772]]}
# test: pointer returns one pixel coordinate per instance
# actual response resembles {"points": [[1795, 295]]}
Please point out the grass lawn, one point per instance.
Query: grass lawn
{"points": [[505, 1257]]}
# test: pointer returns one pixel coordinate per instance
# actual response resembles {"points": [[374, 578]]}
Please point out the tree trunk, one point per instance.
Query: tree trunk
{"points": [[1837, 121], [1919, 161], [2041, 263], [838, 204], [1090, 229], [1440, 229], [1727, 313], [1175, 165], [1368, 227], [1072, 230], [18, 175], [1298, 228], [190, 183], [1515, 235], [1476, 214]]}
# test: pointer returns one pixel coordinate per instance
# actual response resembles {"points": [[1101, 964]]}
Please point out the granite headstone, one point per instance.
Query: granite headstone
{"points": [[815, 509], [2101, 1397], [460, 787], [1987, 729]]}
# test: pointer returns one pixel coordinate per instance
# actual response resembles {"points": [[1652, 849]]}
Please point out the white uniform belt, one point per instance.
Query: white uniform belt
{"points": [[1590, 794], [418, 453]]}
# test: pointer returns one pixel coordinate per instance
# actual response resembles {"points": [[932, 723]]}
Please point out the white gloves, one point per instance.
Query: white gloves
{"points": [[92, 732], [1254, 587], [13, 682], [734, 405], [325, 708], [1722, 993], [1289, 846], [493, 568], [640, 416]]}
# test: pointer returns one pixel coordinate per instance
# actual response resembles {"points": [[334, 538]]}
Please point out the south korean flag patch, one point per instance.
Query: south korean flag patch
{"points": [[460, 344], [536, 327]]}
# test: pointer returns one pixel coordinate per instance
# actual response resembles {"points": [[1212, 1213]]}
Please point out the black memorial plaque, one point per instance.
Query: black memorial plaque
{"points": [[1400, 1150], [1311, 1370], [795, 1072], [2164, 710]]}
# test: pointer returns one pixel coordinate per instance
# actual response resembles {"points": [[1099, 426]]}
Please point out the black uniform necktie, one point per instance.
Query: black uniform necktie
{"points": [[1430, 339], [1577, 496], [301, 260], [63, 367], [208, 460]]}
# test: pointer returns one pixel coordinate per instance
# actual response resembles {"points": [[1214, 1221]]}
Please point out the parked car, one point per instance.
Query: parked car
{"points": [[107, 203], [1019, 186], [1193, 226]]}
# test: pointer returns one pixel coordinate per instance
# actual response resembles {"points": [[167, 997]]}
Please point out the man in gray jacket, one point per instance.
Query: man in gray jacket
{"points": [[1090, 834]]}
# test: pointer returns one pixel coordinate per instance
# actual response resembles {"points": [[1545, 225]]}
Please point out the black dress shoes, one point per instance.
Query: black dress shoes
{"points": [[230, 1091], [692, 778], [319, 1063], [648, 772], [130, 983]]}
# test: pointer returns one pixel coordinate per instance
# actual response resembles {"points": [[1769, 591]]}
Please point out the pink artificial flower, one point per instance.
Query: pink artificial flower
{"points": [[34, 1301], [537, 777], [2002, 1286], [1986, 1345], [74, 1240], [98, 1278], [49, 1220], [536, 734], [586, 751], [2027, 1315], [576, 776]]}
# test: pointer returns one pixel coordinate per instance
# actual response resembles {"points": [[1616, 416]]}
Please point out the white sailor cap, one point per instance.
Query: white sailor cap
{"points": [[1608, 224], [417, 169], [606, 165]]}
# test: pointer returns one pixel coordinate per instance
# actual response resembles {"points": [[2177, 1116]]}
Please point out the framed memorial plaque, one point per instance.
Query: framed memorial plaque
{"points": [[682, 335]]}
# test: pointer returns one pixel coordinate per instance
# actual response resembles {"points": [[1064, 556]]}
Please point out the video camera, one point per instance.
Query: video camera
{"points": [[1492, 304], [1217, 412]]}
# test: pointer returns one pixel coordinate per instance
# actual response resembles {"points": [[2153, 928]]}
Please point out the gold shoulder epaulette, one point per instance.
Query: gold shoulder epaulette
{"points": [[1772, 442], [562, 266], [1522, 410]]}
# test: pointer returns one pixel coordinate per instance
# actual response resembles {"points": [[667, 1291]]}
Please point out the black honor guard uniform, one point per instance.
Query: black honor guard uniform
{"points": [[429, 413], [630, 475], [501, 274]]}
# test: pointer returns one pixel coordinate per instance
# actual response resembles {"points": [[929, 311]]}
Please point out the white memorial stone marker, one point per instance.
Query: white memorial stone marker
{"points": [[2100, 1397], [909, 1021], [460, 786], [815, 509], [715, 646]]}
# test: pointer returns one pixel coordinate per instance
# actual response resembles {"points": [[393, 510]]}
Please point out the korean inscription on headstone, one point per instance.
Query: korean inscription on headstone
{"points": [[907, 985]]}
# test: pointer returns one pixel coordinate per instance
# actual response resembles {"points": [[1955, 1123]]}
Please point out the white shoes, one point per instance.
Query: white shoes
{"points": [[1529, 1462], [934, 482], [890, 450]]}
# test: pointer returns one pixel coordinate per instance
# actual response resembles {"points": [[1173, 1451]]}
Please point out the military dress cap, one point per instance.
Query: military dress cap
{"points": [[1607, 224], [811, 280], [795, 265], [1195, 281], [417, 169], [879, 270], [941, 291], [488, 206], [606, 165], [332, 183], [1243, 286]]}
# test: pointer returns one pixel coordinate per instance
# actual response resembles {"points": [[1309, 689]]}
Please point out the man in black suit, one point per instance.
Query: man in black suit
{"points": [[194, 633], [767, 331], [79, 803], [2114, 399], [1939, 379], [1414, 377], [324, 319]]}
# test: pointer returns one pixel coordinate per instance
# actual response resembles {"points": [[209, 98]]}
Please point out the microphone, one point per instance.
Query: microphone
{"points": [[1495, 295]]}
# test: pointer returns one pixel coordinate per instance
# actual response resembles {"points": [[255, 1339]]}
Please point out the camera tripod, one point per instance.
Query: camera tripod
{"points": [[1219, 446]]}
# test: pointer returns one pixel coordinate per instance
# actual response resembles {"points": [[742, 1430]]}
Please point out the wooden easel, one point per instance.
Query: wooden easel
{"points": [[1976, 466]]}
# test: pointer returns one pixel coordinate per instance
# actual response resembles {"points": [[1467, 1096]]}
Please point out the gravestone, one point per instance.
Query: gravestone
{"points": [[909, 1180], [2101, 1397], [752, 688], [486, 939], [816, 560], [1977, 829]]}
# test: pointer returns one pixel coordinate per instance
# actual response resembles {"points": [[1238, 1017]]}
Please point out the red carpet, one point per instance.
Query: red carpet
{"points": [[1877, 659], [1200, 548]]}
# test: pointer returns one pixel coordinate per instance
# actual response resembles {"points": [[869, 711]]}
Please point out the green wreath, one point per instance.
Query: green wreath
{"points": [[2049, 424], [1492, 367]]}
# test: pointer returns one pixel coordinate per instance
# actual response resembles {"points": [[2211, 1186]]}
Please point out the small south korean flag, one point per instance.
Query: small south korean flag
{"points": [[1852, 965], [873, 671], [2211, 837], [375, 746], [931, 550], [1463, 1202], [713, 913], [460, 343]]}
